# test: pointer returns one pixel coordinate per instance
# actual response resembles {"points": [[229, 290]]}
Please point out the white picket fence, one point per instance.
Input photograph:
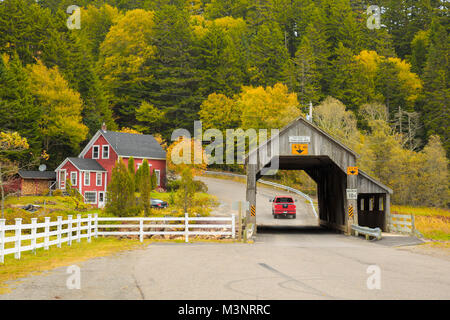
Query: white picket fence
{"points": [[42, 235]]}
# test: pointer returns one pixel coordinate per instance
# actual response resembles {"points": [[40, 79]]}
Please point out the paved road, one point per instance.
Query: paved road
{"points": [[307, 264], [298, 263], [228, 191]]}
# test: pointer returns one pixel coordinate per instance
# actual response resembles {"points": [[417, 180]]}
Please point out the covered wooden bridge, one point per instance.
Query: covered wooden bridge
{"points": [[346, 195]]}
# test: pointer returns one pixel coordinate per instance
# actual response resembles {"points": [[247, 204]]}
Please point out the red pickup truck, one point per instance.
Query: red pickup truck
{"points": [[284, 206]]}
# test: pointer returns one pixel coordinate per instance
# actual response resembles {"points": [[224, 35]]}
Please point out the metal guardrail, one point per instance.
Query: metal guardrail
{"points": [[368, 232], [269, 183]]}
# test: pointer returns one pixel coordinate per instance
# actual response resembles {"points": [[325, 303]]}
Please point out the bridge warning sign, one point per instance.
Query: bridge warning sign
{"points": [[352, 171], [350, 211], [253, 211], [300, 149]]}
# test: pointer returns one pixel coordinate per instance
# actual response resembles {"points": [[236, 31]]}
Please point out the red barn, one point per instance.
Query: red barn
{"points": [[90, 173]]}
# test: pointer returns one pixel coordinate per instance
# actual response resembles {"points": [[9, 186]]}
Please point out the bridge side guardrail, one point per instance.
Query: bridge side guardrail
{"points": [[269, 183], [368, 232]]}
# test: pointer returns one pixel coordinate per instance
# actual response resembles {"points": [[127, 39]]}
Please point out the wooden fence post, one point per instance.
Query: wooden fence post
{"points": [[78, 227], [58, 234], [89, 227], [47, 232], [233, 226], [96, 225], [69, 226], [186, 227], [18, 237], [141, 229], [33, 234], [2, 240]]}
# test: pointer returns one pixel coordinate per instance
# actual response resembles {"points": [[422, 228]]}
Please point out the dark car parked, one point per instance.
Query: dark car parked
{"points": [[158, 204]]}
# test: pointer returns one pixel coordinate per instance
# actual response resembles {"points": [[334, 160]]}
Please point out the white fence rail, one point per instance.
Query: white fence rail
{"points": [[51, 233]]}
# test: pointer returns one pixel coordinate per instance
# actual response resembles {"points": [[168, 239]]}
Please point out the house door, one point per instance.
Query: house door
{"points": [[101, 199], [62, 179]]}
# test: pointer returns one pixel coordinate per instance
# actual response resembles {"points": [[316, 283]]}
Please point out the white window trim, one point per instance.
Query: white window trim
{"points": [[95, 193], [103, 150], [65, 178], [98, 152], [88, 175], [72, 174], [158, 177], [97, 174]]}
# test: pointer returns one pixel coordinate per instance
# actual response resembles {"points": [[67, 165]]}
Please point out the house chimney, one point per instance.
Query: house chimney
{"points": [[104, 127]]}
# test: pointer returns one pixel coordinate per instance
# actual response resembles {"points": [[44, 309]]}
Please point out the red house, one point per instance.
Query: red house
{"points": [[90, 173]]}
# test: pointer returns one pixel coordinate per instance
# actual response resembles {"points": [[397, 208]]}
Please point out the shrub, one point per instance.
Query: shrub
{"points": [[57, 193]]}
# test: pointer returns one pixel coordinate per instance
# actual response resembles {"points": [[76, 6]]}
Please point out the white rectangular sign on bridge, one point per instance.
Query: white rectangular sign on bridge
{"points": [[352, 194], [299, 139]]}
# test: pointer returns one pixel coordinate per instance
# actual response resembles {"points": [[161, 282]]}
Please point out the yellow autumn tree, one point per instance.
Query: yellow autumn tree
{"points": [[267, 108], [127, 45], [219, 112], [186, 159], [60, 123]]}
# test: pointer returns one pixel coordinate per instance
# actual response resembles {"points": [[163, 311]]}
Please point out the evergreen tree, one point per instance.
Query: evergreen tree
{"points": [[174, 82], [131, 172], [17, 109], [306, 77], [120, 193], [434, 103], [145, 187], [25, 28], [268, 55]]}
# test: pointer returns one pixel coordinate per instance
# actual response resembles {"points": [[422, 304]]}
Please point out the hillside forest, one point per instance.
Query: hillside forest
{"points": [[152, 66]]}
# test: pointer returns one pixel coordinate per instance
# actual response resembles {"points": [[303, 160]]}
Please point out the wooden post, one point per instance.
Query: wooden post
{"points": [[2, 240], [78, 227], [251, 192], [233, 226], [33, 234], [18, 237], [186, 227], [352, 183], [58, 234], [47, 232], [69, 227], [96, 225], [141, 229], [89, 227]]}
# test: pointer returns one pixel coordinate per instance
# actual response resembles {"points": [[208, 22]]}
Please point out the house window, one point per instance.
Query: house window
{"points": [[90, 197], [105, 154], [157, 172], [95, 152], [73, 178], [87, 178], [99, 179]]}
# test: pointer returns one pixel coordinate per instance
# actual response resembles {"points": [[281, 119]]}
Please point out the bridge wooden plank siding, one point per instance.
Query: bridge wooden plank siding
{"points": [[326, 163]]}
